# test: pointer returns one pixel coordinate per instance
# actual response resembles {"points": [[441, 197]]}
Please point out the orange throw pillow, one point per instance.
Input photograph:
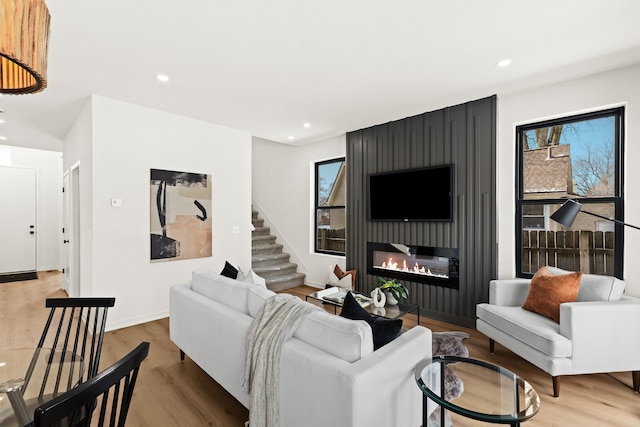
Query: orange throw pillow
{"points": [[340, 274], [547, 292]]}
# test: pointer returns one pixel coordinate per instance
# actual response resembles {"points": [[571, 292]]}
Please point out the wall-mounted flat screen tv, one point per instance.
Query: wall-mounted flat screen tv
{"points": [[424, 194]]}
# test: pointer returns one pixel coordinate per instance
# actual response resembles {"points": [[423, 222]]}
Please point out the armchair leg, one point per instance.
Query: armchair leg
{"points": [[636, 381], [556, 386], [492, 345], [181, 356]]}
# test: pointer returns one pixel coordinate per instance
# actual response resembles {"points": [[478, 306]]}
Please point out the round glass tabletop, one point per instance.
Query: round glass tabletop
{"points": [[476, 389]]}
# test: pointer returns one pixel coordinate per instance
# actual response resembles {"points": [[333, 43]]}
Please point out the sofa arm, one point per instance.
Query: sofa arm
{"points": [[508, 292], [384, 389], [318, 389], [604, 335]]}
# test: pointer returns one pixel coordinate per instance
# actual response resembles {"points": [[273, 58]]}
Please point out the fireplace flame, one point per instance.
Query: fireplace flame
{"points": [[391, 264]]}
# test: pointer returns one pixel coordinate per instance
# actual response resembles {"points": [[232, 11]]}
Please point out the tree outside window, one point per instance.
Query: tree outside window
{"points": [[330, 206], [577, 157]]}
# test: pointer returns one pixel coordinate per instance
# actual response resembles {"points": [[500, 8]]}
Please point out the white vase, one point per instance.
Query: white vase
{"points": [[379, 297], [390, 299]]}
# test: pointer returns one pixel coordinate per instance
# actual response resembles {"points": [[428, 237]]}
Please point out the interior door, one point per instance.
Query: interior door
{"points": [[17, 219]]}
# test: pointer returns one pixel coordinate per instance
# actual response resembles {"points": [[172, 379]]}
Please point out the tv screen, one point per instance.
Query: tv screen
{"points": [[424, 194]]}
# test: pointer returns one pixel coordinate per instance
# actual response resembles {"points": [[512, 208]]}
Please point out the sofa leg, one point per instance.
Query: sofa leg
{"points": [[181, 356], [556, 386], [492, 345], [636, 381]]}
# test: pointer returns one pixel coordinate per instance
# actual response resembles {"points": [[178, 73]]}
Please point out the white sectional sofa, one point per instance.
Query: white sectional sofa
{"points": [[597, 333], [329, 373]]}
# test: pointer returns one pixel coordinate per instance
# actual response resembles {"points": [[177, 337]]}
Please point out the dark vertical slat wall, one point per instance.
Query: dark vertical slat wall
{"points": [[464, 135]]}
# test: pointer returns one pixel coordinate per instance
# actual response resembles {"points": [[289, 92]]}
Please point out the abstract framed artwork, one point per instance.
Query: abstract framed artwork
{"points": [[180, 215]]}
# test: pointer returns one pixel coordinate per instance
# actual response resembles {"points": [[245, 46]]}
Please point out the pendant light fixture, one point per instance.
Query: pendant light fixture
{"points": [[24, 43]]}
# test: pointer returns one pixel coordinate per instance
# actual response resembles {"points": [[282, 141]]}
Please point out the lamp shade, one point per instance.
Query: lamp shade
{"points": [[24, 44], [567, 213]]}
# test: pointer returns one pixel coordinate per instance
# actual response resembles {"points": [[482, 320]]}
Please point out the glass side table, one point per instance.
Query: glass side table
{"points": [[33, 376], [489, 393]]}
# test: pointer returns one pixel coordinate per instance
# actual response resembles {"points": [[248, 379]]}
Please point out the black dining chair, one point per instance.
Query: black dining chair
{"points": [[71, 340], [103, 400]]}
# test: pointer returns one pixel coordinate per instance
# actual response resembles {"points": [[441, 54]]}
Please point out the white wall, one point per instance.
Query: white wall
{"points": [[126, 142], [77, 150], [283, 191], [619, 87], [48, 166]]}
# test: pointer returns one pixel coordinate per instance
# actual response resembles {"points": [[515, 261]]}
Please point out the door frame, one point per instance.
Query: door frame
{"points": [[71, 245]]}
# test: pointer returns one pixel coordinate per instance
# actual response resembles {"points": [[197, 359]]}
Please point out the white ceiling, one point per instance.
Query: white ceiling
{"points": [[267, 67]]}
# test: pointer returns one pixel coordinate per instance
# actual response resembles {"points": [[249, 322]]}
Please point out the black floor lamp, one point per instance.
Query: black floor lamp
{"points": [[570, 209]]}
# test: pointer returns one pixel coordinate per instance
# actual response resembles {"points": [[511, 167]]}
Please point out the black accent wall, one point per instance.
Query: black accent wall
{"points": [[463, 135]]}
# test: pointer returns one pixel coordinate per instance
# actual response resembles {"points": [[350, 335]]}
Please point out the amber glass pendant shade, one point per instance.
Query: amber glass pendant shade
{"points": [[24, 43]]}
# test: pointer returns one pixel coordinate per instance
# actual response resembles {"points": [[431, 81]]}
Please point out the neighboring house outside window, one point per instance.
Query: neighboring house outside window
{"points": [[330, 207], [578, 157]]}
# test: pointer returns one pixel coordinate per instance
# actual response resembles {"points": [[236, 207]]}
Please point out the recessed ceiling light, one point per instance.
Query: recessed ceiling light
{"points": [[162, 78], [1, 121], [290, 138], [3, 138], [503, 63], [307, 125]]}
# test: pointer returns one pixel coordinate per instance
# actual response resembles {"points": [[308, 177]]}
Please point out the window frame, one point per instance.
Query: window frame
{"points": [[317, 207], [617, 199]]}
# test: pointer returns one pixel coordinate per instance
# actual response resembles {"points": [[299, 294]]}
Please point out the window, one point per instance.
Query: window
{"points": [[330, 201], [578, 157], [533, 217]]}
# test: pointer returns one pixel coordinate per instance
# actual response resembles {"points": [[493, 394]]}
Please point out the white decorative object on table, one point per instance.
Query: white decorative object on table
{"points": [[390, 298], [379, 311], [379, 298], [393, 289]]}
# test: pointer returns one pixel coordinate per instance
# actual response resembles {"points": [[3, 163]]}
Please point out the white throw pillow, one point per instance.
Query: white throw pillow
{"points": [[253, 279], [346, 282], [332, 279]]}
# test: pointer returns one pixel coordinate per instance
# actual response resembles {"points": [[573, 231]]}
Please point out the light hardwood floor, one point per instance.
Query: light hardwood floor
{"points": [[174, 393]]}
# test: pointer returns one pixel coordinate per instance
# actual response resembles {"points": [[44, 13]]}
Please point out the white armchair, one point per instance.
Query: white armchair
{"points": [[597, 333]]}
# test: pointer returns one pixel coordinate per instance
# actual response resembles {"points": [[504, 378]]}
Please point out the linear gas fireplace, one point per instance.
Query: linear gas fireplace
{"points": [[421, 264]]}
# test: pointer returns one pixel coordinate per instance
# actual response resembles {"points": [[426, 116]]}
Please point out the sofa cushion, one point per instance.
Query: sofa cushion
{"points": [[257, 296], [536, 331], [547, 291], [384, 330], [350, 340], [343, 338], [224, 290], [596, 287]]}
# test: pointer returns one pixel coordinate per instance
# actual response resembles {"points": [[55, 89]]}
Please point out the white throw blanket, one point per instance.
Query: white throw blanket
{"points": [[276, 321]]}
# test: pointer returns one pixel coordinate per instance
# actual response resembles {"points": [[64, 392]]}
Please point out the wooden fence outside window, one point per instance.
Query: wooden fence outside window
{"points": [[332, 239], [586, 251]]}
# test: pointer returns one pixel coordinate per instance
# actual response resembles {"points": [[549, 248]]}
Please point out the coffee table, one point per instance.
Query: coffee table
{"points": [[388, 311], [490, 393]]}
